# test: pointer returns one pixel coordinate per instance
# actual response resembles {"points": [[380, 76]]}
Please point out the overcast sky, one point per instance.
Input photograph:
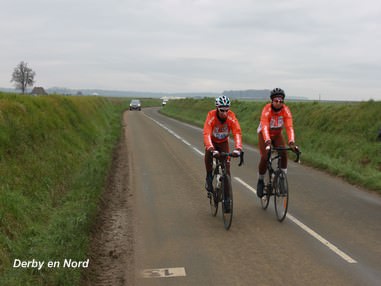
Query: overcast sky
{"points": [[330, 48]]}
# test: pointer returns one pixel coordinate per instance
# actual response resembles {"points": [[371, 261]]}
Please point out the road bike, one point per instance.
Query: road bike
{"points": [[222, 188], [276, 184]]}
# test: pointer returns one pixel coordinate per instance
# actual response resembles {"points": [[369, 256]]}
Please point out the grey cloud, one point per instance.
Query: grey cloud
{"points": [[180, 45]]}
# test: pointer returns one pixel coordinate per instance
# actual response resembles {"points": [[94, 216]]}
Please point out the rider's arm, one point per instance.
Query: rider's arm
{"points": [[236, 130], [208, 129], [265, 122], [289, 125]]}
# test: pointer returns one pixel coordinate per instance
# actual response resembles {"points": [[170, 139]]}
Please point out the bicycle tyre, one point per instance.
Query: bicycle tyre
{"points": [[281, 195], [213, 199], [227, 202]]}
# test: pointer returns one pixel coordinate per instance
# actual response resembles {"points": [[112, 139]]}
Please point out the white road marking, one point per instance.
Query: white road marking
{"points": [[163, 272], [246, 185], [311, 232], [321, 239], [198, 151], [307, 229]]}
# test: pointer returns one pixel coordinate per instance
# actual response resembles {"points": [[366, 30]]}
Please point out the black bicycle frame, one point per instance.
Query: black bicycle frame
{"points": [[278, 157], [221, 161]]}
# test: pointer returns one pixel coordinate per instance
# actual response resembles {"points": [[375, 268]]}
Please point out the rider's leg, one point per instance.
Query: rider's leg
{"points": [[208, 159], [262, 165]]}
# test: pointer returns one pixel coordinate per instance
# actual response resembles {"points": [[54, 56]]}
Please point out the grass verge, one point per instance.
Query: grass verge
{"points": [[54, 155], [340, 138]]}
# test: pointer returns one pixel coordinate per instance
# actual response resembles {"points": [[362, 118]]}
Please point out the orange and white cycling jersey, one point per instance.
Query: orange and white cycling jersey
{"points": [[272, 122], [217, 131]]}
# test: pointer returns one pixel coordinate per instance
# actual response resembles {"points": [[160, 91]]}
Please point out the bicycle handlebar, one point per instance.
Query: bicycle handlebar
{"points": [[297, 152], [231, 154]]}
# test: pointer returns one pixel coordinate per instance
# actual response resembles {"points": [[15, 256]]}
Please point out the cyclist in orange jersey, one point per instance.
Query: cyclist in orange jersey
{"points": [[275, 116], [217, 127]]}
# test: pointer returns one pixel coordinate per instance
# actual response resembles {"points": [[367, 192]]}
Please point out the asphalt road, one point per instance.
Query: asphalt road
{"points": [[331, 236]]}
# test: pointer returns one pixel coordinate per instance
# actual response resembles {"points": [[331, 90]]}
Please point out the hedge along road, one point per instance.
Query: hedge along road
{"points": [[330, 236]]}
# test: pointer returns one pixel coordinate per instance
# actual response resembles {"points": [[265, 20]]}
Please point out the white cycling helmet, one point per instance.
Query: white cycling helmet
{"points": [[222, 101]]}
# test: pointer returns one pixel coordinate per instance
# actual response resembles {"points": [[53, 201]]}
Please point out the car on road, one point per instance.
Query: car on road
{"points": [[135, 105]]}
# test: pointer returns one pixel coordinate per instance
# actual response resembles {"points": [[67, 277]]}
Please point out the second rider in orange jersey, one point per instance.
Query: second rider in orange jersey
{"points": [[275, 116], [217, 127]]}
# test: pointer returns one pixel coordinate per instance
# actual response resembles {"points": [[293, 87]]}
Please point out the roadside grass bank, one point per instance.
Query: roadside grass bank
{"points": [[340, 138], [55, 152]]}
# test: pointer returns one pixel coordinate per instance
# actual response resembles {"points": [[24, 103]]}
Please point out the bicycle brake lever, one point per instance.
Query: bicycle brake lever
{"points": [[241, 159], [297, 160]]}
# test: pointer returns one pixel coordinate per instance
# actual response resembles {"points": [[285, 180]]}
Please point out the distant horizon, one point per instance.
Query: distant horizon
{"points": [[138, 93]]}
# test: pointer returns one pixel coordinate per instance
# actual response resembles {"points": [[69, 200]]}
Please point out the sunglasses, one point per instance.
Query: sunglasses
{"points": [[278, 100], [223, 109]]}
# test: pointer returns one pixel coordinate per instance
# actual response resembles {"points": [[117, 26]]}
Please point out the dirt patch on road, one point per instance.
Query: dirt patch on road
{"points": [[112, 242]]}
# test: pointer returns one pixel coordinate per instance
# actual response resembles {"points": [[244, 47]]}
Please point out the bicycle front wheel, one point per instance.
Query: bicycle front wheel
{"points": [[281, 195], [227, 202], [213, 198], [265, 200]]}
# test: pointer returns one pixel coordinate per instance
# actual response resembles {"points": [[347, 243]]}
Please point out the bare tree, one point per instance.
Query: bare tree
{"points": [[23, 76]]}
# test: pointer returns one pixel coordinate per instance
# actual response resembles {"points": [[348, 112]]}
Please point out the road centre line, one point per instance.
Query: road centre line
{"points": [[311, 232]]}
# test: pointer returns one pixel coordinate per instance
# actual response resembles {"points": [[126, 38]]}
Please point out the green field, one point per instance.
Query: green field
{"points": [[54, 155], [340, 138]]}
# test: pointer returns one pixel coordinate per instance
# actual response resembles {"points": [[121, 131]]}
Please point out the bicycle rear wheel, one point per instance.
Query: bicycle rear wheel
{"points": [[281, 195], [227, 201]]}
